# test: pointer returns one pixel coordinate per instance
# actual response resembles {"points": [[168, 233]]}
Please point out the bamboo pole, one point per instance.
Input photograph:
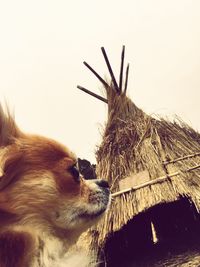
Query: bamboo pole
{"points": [[181, 158], [110, 70], [154, 181], [96, 74], [121, 69], [92, 94], [126, 81]]}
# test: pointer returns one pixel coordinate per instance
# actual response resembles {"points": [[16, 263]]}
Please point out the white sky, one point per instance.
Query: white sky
{"points": [[43, 44]]}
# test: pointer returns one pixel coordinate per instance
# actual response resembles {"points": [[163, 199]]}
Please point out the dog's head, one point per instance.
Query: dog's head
{"points": [[40, 184]]}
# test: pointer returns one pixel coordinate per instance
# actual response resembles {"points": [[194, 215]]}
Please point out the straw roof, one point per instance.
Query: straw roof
{"points": [[135, 143]]}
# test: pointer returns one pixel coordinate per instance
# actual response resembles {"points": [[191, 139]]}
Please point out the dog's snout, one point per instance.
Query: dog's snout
{"points": [[102, 183]]}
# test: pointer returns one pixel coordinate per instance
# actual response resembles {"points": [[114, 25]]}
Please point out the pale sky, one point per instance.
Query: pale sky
{"points": [[43, 44]]}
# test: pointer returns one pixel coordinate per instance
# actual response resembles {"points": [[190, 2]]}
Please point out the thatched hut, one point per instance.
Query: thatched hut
{"points": [[149, 162]]}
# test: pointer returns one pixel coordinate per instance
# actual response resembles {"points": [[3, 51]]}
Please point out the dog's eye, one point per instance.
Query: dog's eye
{"points": [[75, 173]]}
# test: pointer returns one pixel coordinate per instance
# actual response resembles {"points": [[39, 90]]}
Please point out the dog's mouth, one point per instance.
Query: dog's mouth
{"points": [[96, 207], [88, 215], [101, 207]]}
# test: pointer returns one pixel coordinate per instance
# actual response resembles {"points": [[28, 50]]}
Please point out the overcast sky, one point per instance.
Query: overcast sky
{"points": [[43, 44]]}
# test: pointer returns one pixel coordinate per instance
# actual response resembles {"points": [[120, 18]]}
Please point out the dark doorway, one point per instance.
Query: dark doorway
{"points": [[177, 229]]}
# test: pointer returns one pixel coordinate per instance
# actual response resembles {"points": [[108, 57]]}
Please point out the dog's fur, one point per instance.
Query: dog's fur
{"points": [[44, 204]]}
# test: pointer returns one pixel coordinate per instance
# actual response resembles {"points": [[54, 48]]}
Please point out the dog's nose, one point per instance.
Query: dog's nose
{"points": [[102, 183]]}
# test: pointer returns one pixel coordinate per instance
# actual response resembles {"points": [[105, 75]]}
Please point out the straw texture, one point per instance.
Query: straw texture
{"points": [[133, 142]]}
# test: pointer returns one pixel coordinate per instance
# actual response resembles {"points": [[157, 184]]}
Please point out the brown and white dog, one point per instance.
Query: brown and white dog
{"points": [[44, 202]]}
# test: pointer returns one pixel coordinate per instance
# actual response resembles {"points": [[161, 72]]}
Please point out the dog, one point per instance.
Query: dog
{"points": [[45, 204]]}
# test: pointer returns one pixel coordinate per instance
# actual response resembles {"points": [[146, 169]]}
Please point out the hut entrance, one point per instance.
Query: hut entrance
{"points": [[177, 229]]}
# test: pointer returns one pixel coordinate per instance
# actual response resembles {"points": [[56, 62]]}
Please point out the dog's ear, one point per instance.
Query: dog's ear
{"points": [[9, 159], [8, 128], [10, 162], [5, 181]]}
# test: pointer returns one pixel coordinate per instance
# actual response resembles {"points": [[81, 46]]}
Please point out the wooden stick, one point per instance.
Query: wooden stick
{"points": [[154, 181], [110, 70], [181, 158], [126, 81], [96, 74], [193, 168], [92, 94], [121, 69]]}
